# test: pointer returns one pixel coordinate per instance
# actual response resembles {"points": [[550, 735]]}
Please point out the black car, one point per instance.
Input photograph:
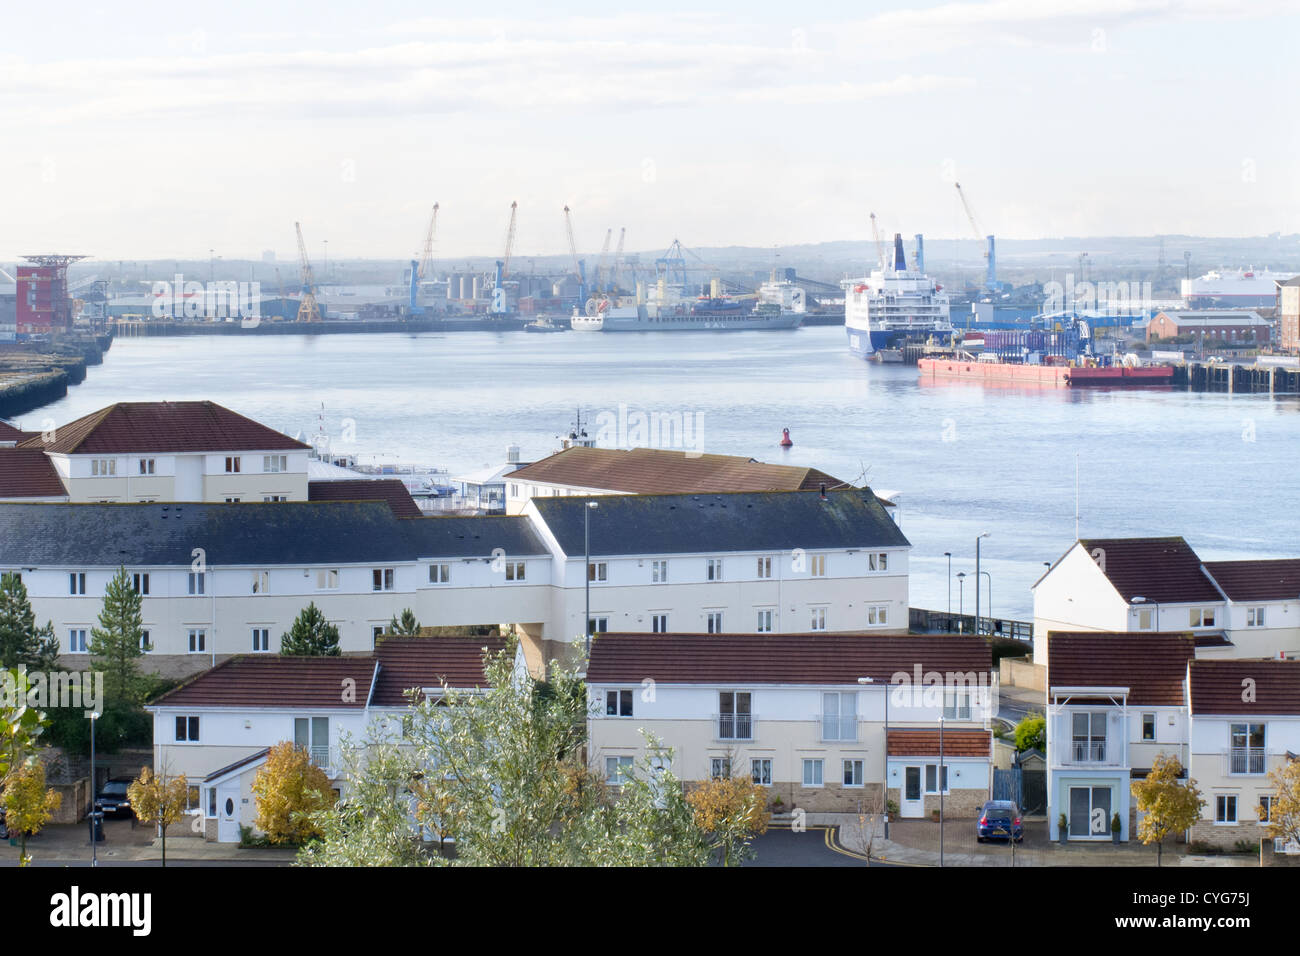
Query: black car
{"points": [[1000, 819], [113, 799]]}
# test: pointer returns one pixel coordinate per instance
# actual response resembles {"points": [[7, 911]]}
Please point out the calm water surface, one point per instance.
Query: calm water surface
{"points": [[1221, 470]]}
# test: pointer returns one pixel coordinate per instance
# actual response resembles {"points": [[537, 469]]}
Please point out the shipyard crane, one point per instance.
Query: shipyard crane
{"points": [[991, 283], [602, 281], [426, 262], [618, 259], [510, 240], [308, 311], [880, 246], [578, 270]]}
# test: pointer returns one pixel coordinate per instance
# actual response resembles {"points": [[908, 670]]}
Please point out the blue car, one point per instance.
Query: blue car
{"points": [[1000, 820]]}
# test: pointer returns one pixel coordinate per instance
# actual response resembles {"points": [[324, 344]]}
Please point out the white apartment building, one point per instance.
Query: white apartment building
{"points": [[794, 713], [218, 579]]}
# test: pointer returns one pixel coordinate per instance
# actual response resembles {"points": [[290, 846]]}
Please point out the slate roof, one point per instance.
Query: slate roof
{"points": [[163, 428], [246, 534], [1163, 570], [28, 473], [819, 658], [1218, 687], [646, 471], [275, 681], [407, 662], [1151, 665], [739, 521], [1271, 579], [389, 490], [908, 742]]}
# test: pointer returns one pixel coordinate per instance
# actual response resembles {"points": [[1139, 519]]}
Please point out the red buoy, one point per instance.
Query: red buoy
{"points": [[785, 438]]}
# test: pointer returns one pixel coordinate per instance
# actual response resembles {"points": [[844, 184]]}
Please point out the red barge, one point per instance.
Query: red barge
{"points": [[1049, 375]]}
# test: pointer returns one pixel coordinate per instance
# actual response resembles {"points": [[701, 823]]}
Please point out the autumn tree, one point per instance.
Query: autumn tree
{"points": [[406, 626], [311, 635], [21, 641], [1284, 815], [1165, 806], [115, 644], [732, 811], [21, 725], [290, 788], [1031, 733], [28, 804], [157, 799]]}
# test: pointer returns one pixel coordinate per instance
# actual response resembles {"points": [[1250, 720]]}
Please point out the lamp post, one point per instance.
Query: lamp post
{"points": [[961, 596], [977, 579], [942, 786], [948, 555], [868, 680], [94, 820], [586, 541]]}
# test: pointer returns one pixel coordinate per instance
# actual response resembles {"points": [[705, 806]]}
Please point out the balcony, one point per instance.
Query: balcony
{"points": [[1089, 751], [735, 726], [1245, 760], [837, 727]]}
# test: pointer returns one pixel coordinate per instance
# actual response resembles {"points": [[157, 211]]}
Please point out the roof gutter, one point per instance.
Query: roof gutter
{"points": [[374, 679]]}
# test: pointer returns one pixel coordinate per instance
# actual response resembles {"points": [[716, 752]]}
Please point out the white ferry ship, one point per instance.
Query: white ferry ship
{"points": [[893, 306]]}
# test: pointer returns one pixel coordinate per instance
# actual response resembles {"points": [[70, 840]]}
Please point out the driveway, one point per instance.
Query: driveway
{"points": [[816, 845]]}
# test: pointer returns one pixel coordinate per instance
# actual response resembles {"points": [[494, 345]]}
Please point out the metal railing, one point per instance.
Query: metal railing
{"points": [[735, 726], [838, 727], [320, 756], [1246, 760], [1093, 751]]}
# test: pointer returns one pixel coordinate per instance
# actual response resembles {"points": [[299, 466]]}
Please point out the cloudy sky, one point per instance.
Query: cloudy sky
{"points": [[149, 129]]}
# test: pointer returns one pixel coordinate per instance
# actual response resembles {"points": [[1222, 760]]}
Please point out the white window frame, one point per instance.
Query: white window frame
{"points": [[878, 615], [232, 464], [930, 776], [1142, 727], [262, 636], [78, 641], [148, 466], [1197, 616], [719, 768], [713, 622], [77, 582], [192, 734], [659, 623], [439, 573], [817, 565], [140, 583], [658, 572], [327, 579], [198, 640], [383, 579], [261, 582], [957, 703], [618, 698], [198, 584], [275, 464], [766, 620], [1255, 616], [598, 624], [818, 618], [817, 778], [597, 571], [853, 768], [760, 770], [764, 567], [1222, 801], [515, 571], [146, 645], [713, 569], [621, 767], [878, 561]]}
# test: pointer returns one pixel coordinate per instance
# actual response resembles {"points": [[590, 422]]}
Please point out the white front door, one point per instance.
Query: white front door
{"points": [[228, 813], [911, 798]]}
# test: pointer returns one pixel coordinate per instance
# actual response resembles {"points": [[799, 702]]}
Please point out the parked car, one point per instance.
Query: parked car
{"points": [[1000, 819], [113, 799]]}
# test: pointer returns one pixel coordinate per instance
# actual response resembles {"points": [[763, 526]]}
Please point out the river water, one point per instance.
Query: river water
{"points": [[1218, 469]]}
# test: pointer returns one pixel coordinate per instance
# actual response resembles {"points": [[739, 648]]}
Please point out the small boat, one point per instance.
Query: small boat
{"points": [[544, 324]]}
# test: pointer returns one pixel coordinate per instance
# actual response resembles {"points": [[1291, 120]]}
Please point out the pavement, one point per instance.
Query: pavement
{"points": [[125, 844], [1014, 703]]}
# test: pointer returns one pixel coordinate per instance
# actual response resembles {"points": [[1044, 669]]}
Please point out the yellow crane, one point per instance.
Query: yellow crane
{"points": [[308, 311]]}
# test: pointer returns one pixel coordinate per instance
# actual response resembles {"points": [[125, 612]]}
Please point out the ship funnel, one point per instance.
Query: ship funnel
{"points": [[920, 253], [900, 258]]}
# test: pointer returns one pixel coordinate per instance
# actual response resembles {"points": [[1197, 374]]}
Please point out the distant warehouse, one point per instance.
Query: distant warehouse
{"points": [[1235, 327]]}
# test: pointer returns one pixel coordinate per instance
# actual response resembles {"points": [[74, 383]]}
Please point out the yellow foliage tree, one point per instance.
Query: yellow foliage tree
{"points": [[158, 799], [289, 789], [28, 805], [732, 810], [1169, 807], [1284, 817]]}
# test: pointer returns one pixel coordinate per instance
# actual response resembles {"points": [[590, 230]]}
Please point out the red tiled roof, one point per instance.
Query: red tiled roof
{"points": [[407, 662], [1247, 687], [1271, 579], [389, 490], [9, 433], [1162, 570], [1151, 665], [778, 658], [162, 427], [907, 742], [28, 473], [648, 471], [276, 681]]}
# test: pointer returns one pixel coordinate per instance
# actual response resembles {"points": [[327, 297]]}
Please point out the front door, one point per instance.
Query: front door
{"points": [[1089, 813], [913, 803], [228, 813]]}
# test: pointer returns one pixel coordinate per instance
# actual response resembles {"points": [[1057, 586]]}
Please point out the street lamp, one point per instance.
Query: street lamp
{"points": [[961, 595], [586, 540], [977, 579], [942, 785], [948, 555], [990, 577], [94, 845], [868, 680]]}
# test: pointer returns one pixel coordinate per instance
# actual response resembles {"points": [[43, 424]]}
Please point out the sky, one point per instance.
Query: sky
{"points": [[142, 129]]}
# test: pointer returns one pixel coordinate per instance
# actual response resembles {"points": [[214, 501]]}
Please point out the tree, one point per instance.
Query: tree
{"points": [[20, 724], [28, 805], [407, 626], [21, 641], [732, 810], [1031, 733], [156, 799], [1284, 815], [311, 635], [1169, 807], [116, 642], [290, 788]]}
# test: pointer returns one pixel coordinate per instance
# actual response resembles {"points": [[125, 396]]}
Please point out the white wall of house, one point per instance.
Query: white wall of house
{"points": [[183, 477], [1240, 774], [1075, 596]]}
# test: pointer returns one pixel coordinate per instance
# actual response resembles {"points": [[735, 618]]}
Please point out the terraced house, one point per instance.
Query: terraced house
{"points": [[828, 722], [220, 579]]}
